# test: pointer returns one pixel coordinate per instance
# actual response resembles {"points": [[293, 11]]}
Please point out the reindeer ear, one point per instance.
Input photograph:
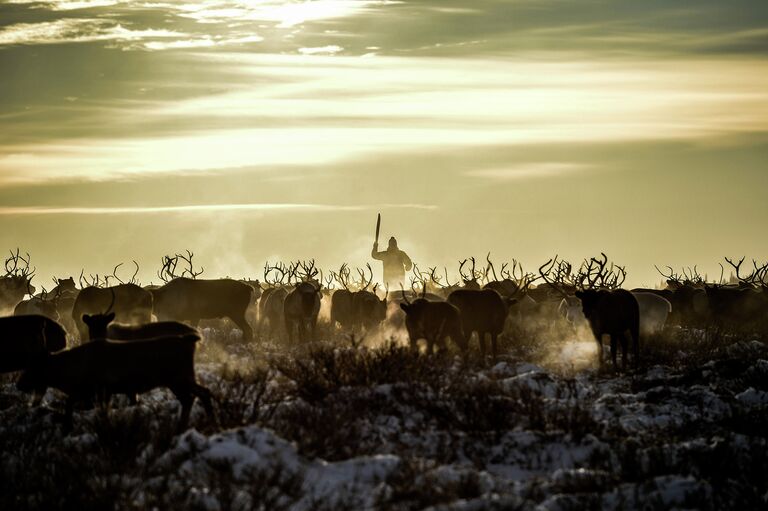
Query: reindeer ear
{"points": [[405, 307], [111, 316], [86, 318], [579, 294]]}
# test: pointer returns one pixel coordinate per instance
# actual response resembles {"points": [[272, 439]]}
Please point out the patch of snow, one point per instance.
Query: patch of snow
{"points": [[753, 397]]}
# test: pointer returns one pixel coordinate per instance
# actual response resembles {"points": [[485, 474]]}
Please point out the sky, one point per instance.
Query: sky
{"points": [[265, 130]]}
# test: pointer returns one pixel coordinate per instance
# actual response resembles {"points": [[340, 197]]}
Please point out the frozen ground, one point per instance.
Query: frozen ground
{"points": [[338, 427]]}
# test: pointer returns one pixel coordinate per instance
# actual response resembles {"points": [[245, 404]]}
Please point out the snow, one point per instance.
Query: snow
{"points": [[753, 397], [252, 453], [510, 435]]}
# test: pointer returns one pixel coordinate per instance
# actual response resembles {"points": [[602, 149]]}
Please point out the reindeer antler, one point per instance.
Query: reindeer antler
{"points": [[15, 271], [364, 283], [190, 270], [168, 272]]}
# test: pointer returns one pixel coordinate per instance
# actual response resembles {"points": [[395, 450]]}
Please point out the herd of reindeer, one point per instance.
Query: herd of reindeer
{"points": [[126, 338]]}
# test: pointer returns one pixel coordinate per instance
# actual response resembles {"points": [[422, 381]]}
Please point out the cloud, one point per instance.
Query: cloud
{"points": [[66, 5], [285, 14], [319, 109], [327, 50], [533, 170], [83, 30], [202, 208], [76, 30]]}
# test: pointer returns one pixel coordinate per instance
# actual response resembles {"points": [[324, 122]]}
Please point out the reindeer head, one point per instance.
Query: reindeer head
{"points": [[18, 276]]}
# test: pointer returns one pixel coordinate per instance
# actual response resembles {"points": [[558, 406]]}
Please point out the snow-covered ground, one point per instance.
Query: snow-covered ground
{"points": [[381, 428]]}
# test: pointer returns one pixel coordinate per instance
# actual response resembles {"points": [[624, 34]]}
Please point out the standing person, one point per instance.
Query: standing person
{"points": [[396, 262]]}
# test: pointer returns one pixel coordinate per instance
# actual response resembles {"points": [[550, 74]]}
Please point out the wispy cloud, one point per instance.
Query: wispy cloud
{"points": [[77, 30], [82, 30], [66, 5], [533, 170], [323, 109], [204, 208], [285, 14], [319, 50]]}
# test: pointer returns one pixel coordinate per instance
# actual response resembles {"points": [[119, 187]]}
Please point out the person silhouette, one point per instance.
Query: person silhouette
{"points": [[396, 262]]}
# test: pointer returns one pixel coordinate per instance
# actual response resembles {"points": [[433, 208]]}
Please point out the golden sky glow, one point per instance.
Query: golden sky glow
{"points": [[246, 130]]}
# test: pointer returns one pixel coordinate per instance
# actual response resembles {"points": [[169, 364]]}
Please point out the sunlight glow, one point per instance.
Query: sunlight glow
{"points": [[335, 108]]}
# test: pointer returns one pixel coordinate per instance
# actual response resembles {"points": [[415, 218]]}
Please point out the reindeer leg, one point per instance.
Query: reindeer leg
{"points": [[68, 412], [186, 399], [600, 353], [302, 331], [206, 398], [481, 343], [242, 324], [614, 350], [494, 345], [289, 330]]}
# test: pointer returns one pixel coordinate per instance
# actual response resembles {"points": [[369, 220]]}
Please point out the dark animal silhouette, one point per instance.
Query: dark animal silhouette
{"points": [[434, 322], [654, 311], [24, 339], [62, 286], [63, 295], [185, 299], [368, 310], [614, 313], [357, 309], [104, 367], [735, 309], [273, 311], [482, 311], [129, 302], [271, 301], [257, 289], [688, 298], [300, 309], [742, 307], [470, 280], [38, 305], [342, 309], [16, 283], [100, 326]]}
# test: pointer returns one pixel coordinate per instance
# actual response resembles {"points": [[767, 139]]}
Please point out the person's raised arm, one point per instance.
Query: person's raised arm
{"points": [[375, 252]]}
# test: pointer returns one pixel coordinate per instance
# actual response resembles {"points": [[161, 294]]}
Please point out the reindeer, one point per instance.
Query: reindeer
{"points": [[741, 308], [558, 277], [609, 310], [63, 295], [25, 339], [485, 311], [687, 295], [471, 279], [342, 309], [515, 284], [101, 326], [16, 283], [187, 298], [302, 305], [368, 311], [112, 367], [130, 303], [37, 304], [432, 321], [272, 298]]}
